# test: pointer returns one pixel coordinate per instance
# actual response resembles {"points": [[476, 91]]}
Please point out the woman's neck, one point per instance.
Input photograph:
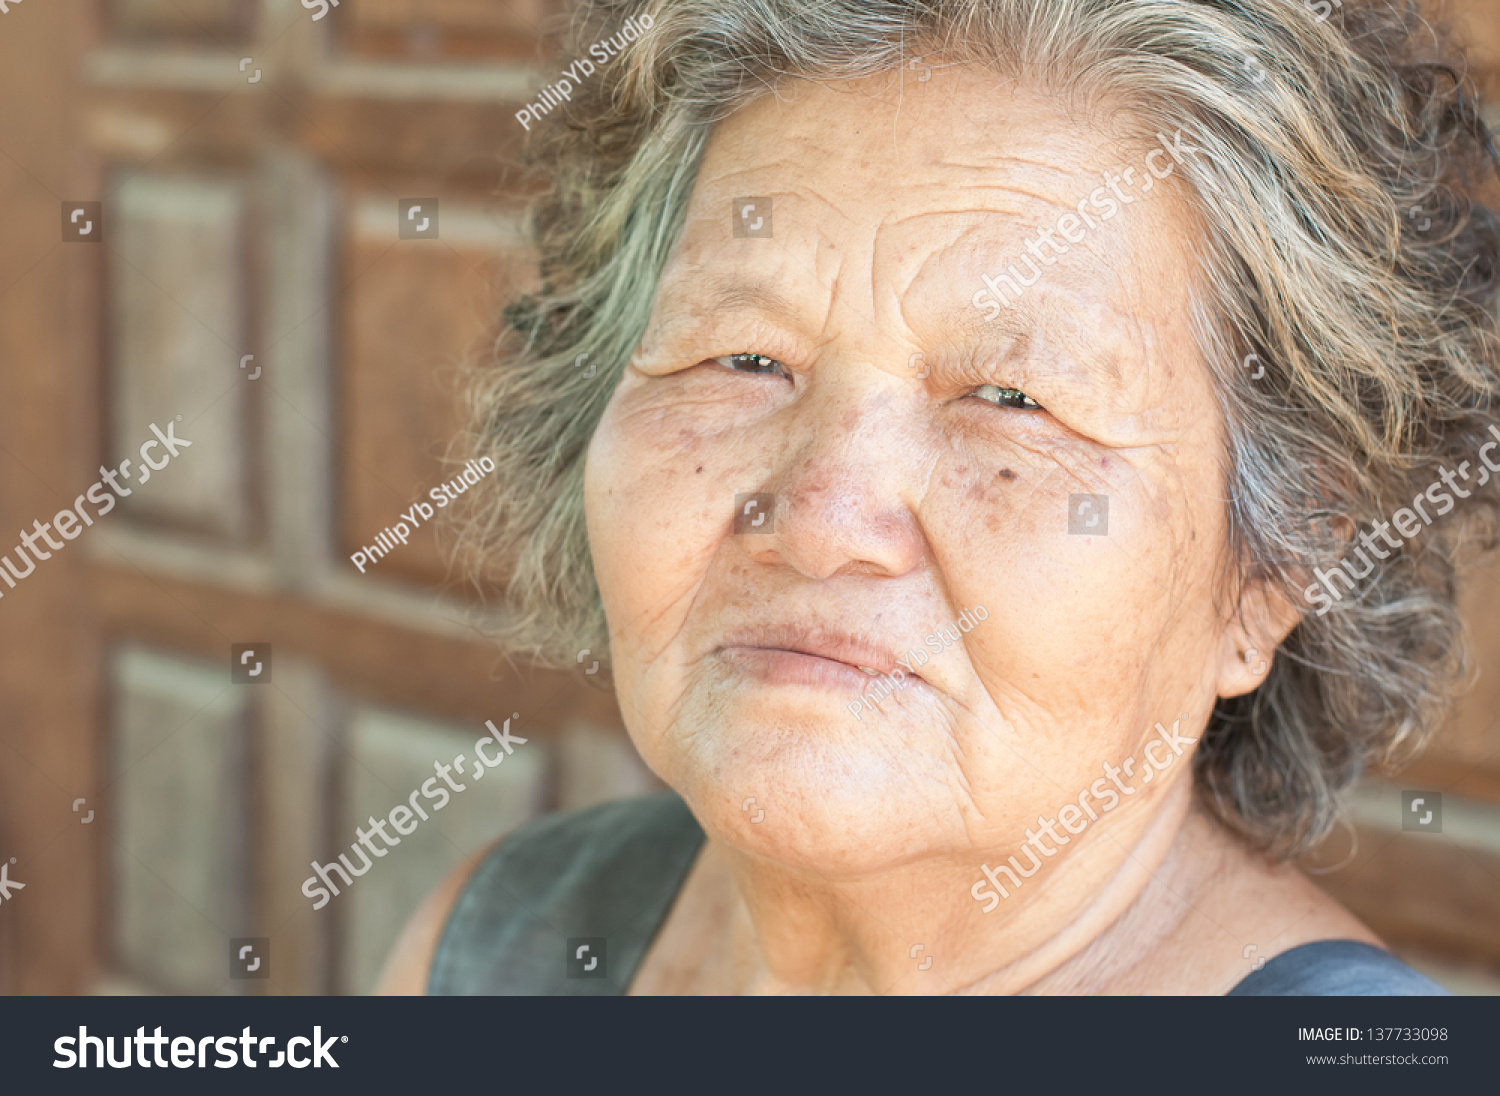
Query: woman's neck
{"points": [[744, 925]]}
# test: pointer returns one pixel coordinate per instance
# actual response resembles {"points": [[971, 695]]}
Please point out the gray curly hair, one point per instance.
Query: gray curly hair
{"points": [[1376, 331]]}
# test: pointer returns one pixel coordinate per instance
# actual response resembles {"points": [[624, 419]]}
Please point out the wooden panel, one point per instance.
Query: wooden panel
{"points": [[1478, 782], [202, 20], [388, 664], [390, 756], [299, 434], [425, 125], [1478, 21], [181, 886], [446, 137], [597, 764], [1439, 895], [300, 718], [50, 662], [414, 310], [1435, 894], [477, 16], [177, 130], [1470, 742], [177, 329], [1422, 893], [435, 28]]}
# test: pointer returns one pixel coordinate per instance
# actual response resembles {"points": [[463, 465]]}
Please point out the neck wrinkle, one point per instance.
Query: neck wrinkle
{"points": [[1102, 916], [1057, 956]]}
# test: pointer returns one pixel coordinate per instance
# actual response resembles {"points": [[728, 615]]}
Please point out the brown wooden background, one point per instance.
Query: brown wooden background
{"points": [[261, 218]]}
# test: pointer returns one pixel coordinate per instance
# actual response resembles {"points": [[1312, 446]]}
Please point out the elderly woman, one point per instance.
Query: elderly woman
{"points": [[1008, 481]]}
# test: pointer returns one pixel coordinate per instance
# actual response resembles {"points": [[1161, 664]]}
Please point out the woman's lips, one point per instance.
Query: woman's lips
{"points": [[778, 666], [794, 653]]}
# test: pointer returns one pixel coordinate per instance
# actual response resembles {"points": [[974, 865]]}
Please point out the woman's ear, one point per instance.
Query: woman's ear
{"points": [[1263, 618]]}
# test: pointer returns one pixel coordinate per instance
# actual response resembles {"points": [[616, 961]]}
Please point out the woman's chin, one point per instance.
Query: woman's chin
{"points": [[788, 773], [831, 820]]}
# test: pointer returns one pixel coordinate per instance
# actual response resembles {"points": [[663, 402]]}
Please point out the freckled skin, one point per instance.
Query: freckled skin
{"points": [[899, 502]]}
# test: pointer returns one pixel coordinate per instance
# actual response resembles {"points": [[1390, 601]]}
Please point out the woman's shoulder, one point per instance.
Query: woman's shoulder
{"points": [[1337, 968], [600, 878]]}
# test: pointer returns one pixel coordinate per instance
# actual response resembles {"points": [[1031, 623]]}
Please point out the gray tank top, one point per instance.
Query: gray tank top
{"points": [[569, 904]]}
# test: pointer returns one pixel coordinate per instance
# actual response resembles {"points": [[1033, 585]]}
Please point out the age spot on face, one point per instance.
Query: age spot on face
{"points": [[990, 489]]}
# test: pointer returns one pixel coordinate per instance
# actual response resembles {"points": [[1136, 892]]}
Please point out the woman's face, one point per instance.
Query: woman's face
{"points": [[904, 483]]}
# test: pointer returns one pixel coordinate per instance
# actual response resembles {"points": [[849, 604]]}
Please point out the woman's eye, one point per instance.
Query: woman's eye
{"points": [[751, 363], [1006, 397]]}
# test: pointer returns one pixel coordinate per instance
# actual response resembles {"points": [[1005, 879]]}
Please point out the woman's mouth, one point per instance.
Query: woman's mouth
{"points": [[798, 656]]}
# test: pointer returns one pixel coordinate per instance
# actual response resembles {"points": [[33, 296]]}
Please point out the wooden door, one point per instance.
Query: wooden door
{"points": [[245, 282]]}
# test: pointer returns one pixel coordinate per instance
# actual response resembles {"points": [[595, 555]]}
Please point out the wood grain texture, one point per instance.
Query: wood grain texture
{"points": [[1420, 892], [381, 662], [414, 310], [51, 689]]}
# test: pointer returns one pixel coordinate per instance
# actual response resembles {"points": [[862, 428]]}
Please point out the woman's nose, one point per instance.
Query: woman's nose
{"points": [[845, 489]]}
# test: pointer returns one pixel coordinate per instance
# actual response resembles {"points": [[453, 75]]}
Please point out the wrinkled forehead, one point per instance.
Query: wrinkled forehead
{"points": [[891, 199]]}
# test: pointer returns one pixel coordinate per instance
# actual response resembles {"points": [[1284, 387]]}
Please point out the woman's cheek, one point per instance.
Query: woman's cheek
{"points": [[658, 502], [1051, 553]]}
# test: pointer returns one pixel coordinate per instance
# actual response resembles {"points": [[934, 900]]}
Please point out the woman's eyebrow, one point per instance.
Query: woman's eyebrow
{"points": [[696, 303], [999, 343], [700, 290], [1006, 335], [1044, 344], [731, 293]]}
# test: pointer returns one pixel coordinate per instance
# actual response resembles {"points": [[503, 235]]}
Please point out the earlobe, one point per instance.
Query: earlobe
{"points": [[1249, 671], [1242, 667], [1251, 637]]}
